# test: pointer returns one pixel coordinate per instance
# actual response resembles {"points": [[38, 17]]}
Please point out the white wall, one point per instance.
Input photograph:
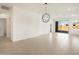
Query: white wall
{"points": [[26, 22], [8, 25], [26, 18]]}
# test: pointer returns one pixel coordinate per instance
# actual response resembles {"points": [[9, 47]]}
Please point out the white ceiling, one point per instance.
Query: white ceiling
{"points": [[54, 8], [38, 5]]}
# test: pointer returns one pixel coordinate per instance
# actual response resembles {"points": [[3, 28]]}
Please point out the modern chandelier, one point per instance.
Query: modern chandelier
{"points": [[45, 16]]}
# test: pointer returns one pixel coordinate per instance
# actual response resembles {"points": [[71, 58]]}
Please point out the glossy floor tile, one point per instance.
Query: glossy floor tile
{"points": [[49, 44]]}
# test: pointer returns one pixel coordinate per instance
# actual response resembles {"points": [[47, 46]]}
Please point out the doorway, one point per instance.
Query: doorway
{"points": [[3, 27], [61, 26]]}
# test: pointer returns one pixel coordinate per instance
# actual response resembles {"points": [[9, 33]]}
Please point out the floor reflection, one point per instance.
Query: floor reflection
{"points": [[75, 41], [50, 40], [67, 41], [63, 40]]}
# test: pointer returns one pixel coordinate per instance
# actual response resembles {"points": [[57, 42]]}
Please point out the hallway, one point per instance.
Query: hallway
{"points": [[59, 43]]}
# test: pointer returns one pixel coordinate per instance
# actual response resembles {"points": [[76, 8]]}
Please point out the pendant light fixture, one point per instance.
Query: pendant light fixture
{"points": [[45, 16]]}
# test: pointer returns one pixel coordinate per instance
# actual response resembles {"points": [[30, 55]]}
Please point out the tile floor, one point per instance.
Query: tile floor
{"points": [[57, 44]]}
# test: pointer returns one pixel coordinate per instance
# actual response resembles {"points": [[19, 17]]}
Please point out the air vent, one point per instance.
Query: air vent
{"points": [[5, 7]]}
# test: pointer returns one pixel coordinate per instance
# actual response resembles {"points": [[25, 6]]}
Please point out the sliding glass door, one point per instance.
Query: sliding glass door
{"points": [[62, 26], [66, 26]]}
